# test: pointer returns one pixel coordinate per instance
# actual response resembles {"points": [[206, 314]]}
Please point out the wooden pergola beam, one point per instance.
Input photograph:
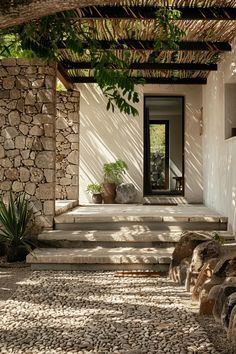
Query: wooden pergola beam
{"points": [[67, 64], [64, 77], [148, 12], [133, 44], [150, 80]]}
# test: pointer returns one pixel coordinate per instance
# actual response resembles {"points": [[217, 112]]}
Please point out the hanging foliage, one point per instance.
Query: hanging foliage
{"points": [[43, 38], [170, 34]]}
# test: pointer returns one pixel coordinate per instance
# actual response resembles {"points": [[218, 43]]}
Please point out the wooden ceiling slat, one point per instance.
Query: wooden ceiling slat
{"points": [[150, 80], [67, 64], [133, 44], [148, 12]]}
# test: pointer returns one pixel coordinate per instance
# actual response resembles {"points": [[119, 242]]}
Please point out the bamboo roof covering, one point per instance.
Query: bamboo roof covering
{"points": [[209, 26]]}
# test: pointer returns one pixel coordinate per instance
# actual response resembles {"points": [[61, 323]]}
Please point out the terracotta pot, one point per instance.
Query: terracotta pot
{"points": [[97, 198], [16, 253], [109, 193]]}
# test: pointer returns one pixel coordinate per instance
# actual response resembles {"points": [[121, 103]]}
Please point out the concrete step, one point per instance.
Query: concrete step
{"points": [[127, 237], [99, 258], [73, 218], [164, 218], [164, 200], [171, 226], [62, 206]]}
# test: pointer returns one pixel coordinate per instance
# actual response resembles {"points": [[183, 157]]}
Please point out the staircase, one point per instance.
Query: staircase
{"points": [[135, 239]]}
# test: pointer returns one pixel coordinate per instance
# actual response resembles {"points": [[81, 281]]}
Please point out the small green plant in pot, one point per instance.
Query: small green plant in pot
{"points": [[15, 218], [113, 176], [96, 190]]}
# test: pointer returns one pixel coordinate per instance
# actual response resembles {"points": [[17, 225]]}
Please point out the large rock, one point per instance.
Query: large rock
{"points": [[226, 267], [210, 292], [183, 251], [181, 271], [208, 299], [224, 272], [125, 193], [227, 309], [204, 275], [232, 328], [202, 253], [224, 291]]}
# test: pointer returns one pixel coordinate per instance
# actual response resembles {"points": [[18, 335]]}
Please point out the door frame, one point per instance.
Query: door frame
{"points": [[146, 169]]}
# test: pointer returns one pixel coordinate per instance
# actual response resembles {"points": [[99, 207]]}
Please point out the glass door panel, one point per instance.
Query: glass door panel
{"points": [[159, 159]]}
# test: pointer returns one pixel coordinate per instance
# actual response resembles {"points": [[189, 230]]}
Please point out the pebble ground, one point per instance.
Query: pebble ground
{"points": [[93, 312]]}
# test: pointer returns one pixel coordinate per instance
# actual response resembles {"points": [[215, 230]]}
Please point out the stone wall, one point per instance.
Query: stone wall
{"points": [[27, 138], [67, 145]]}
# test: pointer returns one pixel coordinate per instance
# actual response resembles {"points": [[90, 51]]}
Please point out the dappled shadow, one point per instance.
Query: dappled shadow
{"points": [[106, 137], [98, 313], [219, 154], [10, 278]]}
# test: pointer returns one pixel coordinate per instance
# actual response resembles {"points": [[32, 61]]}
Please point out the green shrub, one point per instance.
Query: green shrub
{"points": [[218, 238], [114, 171], [15, 218], [94, 188]]}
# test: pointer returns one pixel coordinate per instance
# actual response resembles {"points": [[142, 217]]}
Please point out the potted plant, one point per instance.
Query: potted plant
{"points": [[15, 218], [113, 176], [96, 190]]}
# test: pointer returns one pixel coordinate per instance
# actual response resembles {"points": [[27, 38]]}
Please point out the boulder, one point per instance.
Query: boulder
{"points": [[226, 267], [183, 252], [232, 328], [228, 306], [179, 273], [125, 193], [225, 290], [224, 272], [202, 253], [209, 293], [204, 275], [207, 301]]}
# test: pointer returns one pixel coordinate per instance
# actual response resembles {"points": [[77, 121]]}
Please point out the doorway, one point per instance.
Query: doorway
{"points": [[164, 145]]}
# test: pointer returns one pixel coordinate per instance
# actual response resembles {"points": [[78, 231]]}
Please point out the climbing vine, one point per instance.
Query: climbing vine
{"points": [[43, 38], [169, 33]]}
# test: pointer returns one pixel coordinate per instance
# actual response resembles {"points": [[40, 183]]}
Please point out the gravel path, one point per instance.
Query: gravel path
{"points": [[10, 278], [72, 312]]}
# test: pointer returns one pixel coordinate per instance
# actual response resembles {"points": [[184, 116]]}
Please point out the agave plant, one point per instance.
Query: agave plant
{"points": [[15, 218]]}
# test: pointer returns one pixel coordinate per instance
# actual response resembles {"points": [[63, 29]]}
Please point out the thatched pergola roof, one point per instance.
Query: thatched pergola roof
{"points": [[210, 28]]}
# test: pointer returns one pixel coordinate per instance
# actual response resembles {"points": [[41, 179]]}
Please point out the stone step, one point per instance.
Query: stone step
{"points": [[114, 217], [99, 258], [171, 226], [127, 237], [73, 218], [164, 200]]}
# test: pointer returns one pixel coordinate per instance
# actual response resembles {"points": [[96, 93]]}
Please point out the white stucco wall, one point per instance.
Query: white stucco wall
{"points": [[219, 155], [107, 136]]}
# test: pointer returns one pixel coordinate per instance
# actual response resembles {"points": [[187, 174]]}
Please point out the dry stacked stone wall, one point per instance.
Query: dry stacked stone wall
{"points": [[27, 133], [67, 145]]}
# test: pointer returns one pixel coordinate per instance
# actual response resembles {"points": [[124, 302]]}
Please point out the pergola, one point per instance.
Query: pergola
{"points": [[209, 26]]}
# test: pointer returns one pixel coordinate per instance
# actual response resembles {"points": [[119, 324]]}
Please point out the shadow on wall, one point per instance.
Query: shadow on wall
{"points": [[219, 154], [193, 151], [106, 136]]}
